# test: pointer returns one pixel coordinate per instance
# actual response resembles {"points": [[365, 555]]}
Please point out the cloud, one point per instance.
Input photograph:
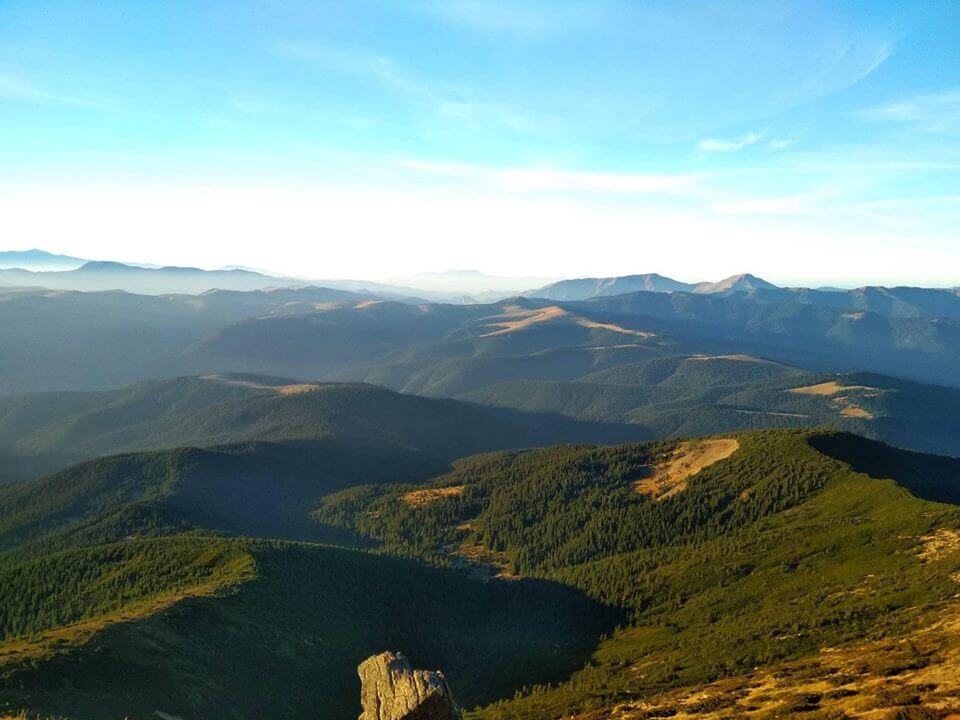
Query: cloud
{"points": [[533, 180], [496, 16], [458, 104], [781, 143], [807, 203], [18, 89], [522, 19], [253, 105], [296, 51], [763, 206], [933, 112], [732, 145], [380, 68]]}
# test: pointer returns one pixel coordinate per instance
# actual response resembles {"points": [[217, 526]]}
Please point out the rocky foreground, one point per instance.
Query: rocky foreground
{"points": [[392, 690]]}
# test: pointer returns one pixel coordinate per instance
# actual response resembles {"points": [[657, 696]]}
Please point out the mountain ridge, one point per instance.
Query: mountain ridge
{"points": [[752, 560]]}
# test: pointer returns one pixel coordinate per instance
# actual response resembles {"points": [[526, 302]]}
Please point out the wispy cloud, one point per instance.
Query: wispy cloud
{"points": [[763, 206], [730, 145], [380, 68], [16, 88], [523, 19], [500, 16], [254, 105], [293, 50], [453, 103], [781, 143], [933, 112], [532, 180], [807, 202]]}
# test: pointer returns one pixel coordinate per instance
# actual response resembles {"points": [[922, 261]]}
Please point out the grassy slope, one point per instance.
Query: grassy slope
{"points": [[767, 556], [104, 577], [286, 642]]}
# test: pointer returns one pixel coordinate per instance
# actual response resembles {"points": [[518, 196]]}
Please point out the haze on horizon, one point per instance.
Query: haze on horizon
{"points": [[810, 143]]}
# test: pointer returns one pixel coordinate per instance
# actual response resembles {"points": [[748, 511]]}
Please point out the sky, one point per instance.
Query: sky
{"points": [[806, 142]]}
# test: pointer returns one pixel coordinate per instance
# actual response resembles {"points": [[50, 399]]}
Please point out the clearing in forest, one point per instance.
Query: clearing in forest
{"points": [[426, 496], [688, 458]]}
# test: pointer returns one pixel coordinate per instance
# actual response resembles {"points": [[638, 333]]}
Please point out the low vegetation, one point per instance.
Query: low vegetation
{"points": [[573, 592], [768, 556]]}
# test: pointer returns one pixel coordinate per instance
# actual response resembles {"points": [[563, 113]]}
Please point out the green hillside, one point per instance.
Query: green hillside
{"points": [[45, 431], [253, 489], [764, 557], [545, 582], [109, 566], [285, 640], [682, 396]]}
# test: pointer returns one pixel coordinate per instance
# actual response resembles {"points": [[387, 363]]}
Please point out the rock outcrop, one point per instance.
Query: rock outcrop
{"points": [[392, 690]]}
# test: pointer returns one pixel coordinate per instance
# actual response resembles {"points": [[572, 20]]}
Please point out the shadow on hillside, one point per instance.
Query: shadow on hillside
{"points": [[930, 477], [546, 429], [288, 644]]}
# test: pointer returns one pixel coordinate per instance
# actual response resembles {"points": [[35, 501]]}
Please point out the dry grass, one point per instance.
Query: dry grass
{"points": [[486, 563], [296, 389], [292, 389], [670, 477], [899, 679], [517, 319], [827, 388], [855, 411], [844, 404], [583, 322], [418, 498], [940, 544], [833, 387]]}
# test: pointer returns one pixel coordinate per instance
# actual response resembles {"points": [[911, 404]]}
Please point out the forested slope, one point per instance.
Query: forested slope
{"points": [[545, 582]]}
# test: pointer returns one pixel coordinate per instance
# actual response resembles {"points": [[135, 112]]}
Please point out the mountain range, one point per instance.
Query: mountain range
{"points": [[38, 261], [95, 276], [47, 431], [624, 498], [37, 268], [587, 288], [442, 350]]}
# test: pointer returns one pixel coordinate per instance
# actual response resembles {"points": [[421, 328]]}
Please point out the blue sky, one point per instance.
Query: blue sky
{"points": [[806, 141]]}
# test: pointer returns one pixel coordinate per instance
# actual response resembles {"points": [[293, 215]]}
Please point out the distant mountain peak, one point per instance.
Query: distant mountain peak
{"points": [[586, 288], [37, 260], [744, 282], [103, 266]]}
